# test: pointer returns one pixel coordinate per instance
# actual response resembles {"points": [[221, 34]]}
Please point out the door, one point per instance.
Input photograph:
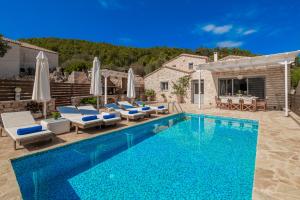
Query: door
{"points": [[195, 91]]}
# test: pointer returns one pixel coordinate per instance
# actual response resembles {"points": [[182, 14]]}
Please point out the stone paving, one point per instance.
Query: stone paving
{"points": [[277, 171]]}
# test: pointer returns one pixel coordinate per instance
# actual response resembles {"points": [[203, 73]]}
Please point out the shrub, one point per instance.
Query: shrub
{"points": [[89, 100], [76, 65], [150, 93], [295, 76]]}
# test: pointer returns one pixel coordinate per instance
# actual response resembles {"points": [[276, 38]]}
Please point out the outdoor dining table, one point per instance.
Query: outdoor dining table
{"points": [[247, 98]]}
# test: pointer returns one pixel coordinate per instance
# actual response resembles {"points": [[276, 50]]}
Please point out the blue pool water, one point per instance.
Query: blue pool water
{"points": [[184, 156]]}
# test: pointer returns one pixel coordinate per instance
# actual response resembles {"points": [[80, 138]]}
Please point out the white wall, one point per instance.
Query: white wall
{"points": [[28, 58], [10, 63]]}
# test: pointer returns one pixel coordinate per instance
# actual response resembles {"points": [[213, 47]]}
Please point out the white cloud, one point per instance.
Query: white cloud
{"points": [[229, 44], [249, 32], [217, 29]]}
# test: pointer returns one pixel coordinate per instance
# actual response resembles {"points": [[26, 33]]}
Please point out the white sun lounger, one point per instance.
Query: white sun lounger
{"points": [[125, 113], [156, 108], [90, 110], [72, 113], [128, 106], [13, 121]]}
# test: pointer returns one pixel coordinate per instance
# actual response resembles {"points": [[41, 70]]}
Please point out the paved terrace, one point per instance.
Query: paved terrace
{"points": [[277, 171]]}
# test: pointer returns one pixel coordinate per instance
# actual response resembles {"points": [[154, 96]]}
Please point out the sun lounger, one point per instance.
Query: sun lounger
{"points": [[108, 119], [125, 113], [77, 119], [23, 129], [158, 109], [128, 106]]}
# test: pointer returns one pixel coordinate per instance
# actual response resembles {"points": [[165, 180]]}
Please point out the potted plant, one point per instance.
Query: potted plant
{"points": [[55, 115], [164, 97], [150, 94], [35, 109], [180, 88]]}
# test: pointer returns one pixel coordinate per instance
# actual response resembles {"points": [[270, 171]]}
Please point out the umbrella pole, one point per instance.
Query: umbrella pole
{"points": [[45, 110], [97, 102]]}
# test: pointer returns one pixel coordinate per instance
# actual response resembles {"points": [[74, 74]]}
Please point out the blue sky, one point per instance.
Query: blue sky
{"points": [[262, 26]]}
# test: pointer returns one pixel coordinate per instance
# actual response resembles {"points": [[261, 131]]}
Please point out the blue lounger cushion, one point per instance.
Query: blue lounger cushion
{"points": [[109, 116], [133, 112], [145, 108], [161, 107], [127, 106], [140, 103], [28, 130], [89, 118], [112, 105]]}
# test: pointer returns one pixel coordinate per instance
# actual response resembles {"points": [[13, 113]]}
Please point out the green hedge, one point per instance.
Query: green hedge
{"points": [[89, 100]]}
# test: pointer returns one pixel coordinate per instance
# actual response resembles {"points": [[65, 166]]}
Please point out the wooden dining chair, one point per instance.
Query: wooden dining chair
{"points": [[235, 104], [249, 105], [224, 103], [261, 104]]}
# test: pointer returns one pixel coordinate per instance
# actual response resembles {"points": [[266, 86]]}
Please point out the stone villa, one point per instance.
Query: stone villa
{"points": [[262, 77]]}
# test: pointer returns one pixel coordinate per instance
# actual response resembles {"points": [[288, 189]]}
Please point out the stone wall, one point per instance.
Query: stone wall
{"points": [[16, 106], [164, 75], [78, 77], [182, 62]]}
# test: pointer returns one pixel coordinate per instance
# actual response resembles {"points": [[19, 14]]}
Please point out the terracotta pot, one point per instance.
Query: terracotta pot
{"points": [[179, 99], [148, 98]]}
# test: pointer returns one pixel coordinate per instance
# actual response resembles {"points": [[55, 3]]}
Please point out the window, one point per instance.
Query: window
{"points": [[252, 86], [225, 87], [191, 66], [256, 87], [240, 86], [164, 86]]}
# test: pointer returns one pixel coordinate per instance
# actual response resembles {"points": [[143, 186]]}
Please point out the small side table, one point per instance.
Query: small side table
{"points": [[57, 126]]}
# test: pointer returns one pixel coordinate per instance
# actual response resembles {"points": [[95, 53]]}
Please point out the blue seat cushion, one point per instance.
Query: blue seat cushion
{"points": [[133, 111], [89, 118], [161, 107], [109, 116], [28, 130], [145, 108]]}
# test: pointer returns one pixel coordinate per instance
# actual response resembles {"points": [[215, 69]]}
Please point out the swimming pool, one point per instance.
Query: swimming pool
{"points": [[184, 156]]}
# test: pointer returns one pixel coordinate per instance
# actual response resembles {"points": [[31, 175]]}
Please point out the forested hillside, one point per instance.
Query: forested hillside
{"points": [[78, 54]]}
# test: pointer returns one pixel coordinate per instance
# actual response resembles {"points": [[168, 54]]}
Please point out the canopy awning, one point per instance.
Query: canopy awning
{"points": [[257, 62]]}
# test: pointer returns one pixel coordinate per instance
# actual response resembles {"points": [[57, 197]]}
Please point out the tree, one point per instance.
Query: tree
{"points": [[3, 47], [143, 60], [180, 87], [295, 73], [76, 65]]}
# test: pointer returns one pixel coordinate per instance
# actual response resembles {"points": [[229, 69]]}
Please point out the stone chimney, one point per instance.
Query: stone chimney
{"points": [[215, 56]]}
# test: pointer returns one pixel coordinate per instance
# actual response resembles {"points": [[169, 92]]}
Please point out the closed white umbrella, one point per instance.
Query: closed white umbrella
{"points": [[41, 87], [96, 86], [130, 85]]}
